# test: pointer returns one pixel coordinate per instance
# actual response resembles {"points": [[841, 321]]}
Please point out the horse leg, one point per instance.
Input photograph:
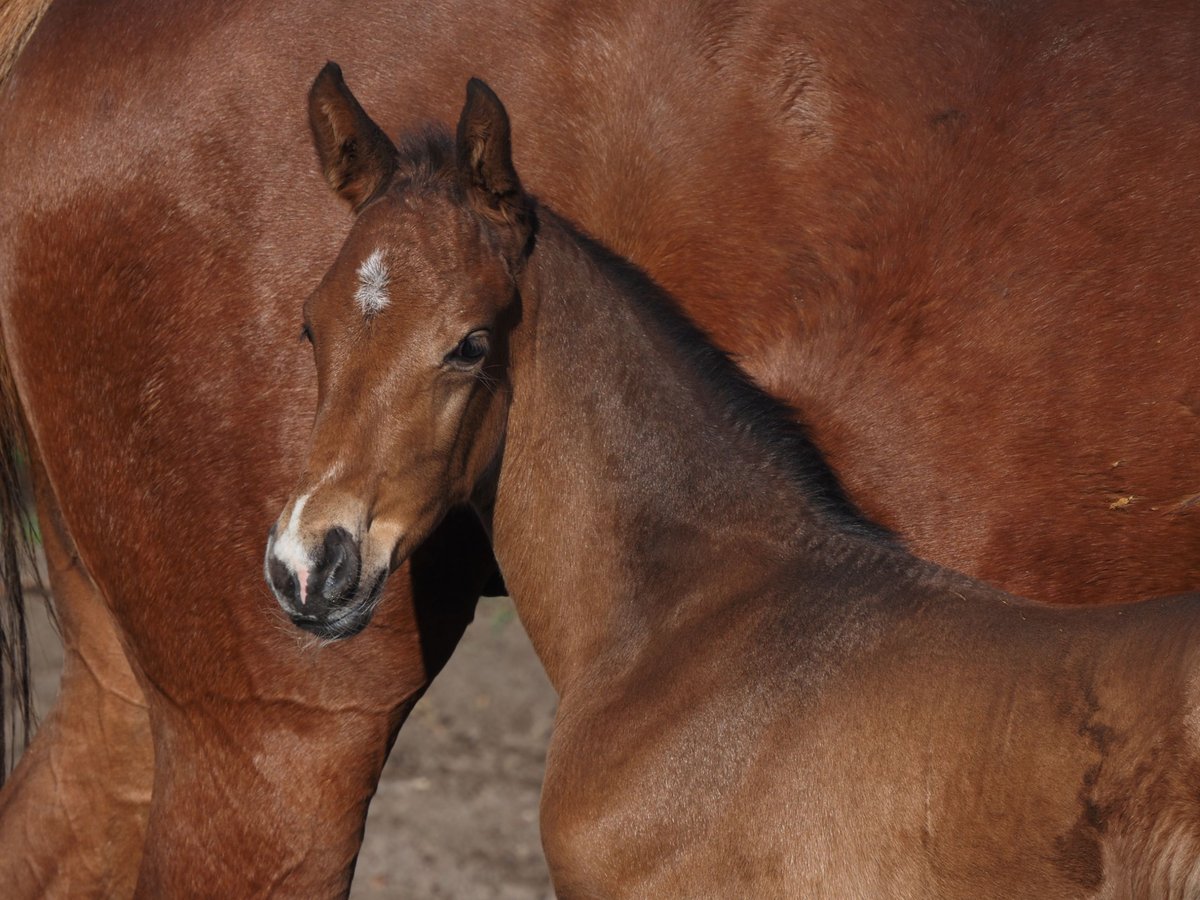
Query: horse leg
{"points": [[284, 794], [264, 792], [73, 814]]}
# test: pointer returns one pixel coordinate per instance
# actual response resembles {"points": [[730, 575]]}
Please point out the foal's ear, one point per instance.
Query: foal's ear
{"points": [[356, 156], [484, 151]]}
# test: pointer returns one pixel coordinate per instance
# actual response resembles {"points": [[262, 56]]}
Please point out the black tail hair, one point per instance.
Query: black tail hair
{"points": [[16, 545]]}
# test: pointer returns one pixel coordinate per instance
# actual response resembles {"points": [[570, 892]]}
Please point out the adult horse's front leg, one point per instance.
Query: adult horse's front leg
{"points": [[255, 800], [252, 796], [264, 791], [73, 814]]}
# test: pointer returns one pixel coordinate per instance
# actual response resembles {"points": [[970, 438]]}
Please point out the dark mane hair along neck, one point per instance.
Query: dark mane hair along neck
{"points": [[777, 428]]}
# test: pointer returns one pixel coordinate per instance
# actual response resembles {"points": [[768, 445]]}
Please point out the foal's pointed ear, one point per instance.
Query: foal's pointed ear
{"points": [[484, 151], [356, 156]]}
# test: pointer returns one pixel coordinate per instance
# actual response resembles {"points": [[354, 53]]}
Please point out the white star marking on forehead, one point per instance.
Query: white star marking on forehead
{"points": [[373, 278]]}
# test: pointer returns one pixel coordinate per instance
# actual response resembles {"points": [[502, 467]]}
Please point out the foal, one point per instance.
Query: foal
{"points": [[761, 694]]}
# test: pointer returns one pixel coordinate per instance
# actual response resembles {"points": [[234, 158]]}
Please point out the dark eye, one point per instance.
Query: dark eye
{"points": [[470, 350], [306, 333]]}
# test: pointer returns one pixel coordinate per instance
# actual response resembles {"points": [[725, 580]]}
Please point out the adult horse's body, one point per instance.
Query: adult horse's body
{"points": [[760, 695], [960, 237]]}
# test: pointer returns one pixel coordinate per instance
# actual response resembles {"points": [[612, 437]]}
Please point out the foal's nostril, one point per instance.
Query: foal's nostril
{"points": [[337, 576], [283, 580], [318, 595]]}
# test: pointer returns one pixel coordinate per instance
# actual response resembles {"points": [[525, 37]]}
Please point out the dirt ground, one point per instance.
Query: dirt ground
{"points": [[456, 812]]}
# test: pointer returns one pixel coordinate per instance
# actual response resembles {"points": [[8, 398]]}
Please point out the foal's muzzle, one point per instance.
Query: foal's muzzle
{"points": [[327, 599]]}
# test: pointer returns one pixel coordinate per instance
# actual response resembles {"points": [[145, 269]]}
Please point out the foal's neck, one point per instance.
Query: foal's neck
{"points": [[637, 484]]}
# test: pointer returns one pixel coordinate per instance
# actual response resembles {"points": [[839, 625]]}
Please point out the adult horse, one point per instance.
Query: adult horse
{"points": [[960, 237], [760, 695]]}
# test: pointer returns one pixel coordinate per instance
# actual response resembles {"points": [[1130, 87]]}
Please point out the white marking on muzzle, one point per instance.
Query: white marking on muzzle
{"points": [[289, 549], [373, 279]]}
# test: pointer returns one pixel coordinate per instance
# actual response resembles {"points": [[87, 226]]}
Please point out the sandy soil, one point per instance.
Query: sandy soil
{"points": [[456, 812]]}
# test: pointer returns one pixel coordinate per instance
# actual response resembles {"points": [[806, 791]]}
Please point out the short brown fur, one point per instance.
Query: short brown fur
{"points": [[760, 694], [960, 236]]}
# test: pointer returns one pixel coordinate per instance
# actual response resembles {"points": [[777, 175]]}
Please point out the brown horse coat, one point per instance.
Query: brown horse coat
{"points": [[760, 694], [960, 236]]}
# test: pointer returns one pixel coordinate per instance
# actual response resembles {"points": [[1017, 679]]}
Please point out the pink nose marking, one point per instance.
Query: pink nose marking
{"points": [[302, 577]]}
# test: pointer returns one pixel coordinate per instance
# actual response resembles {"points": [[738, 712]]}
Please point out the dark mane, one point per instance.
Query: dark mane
{"points": [[426, 163], [774, 425]]}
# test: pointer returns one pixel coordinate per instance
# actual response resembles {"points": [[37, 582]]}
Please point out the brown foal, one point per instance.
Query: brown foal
{"points": [[761, 693]]}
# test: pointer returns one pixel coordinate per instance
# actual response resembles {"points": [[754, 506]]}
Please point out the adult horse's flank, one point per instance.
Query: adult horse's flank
{"points": [[761, 695], [960, 236]]}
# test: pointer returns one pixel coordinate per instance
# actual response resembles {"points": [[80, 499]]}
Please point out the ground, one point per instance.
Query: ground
{"points": [[456, 812]]}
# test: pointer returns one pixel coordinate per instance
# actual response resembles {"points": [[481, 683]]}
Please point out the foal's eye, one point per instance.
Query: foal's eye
{"points": [[470, 350], [306, 333]]}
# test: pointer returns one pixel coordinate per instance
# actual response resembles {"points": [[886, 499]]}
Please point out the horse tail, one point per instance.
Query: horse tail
{"points": [[17, 556], [18, 18]]}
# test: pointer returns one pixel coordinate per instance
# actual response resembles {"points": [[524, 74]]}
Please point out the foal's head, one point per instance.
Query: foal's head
{"points": [[408, 330]]}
